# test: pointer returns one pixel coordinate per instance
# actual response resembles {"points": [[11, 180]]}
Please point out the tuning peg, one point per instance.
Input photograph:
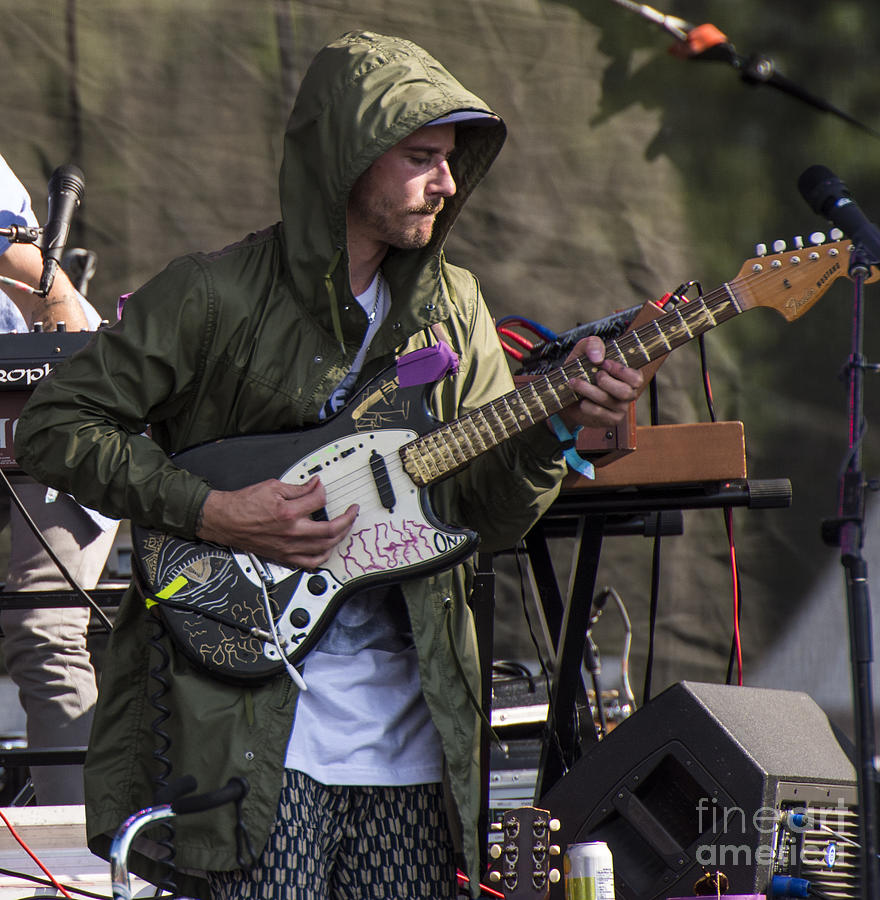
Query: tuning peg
{"points": [[555, 824], [798, 242], [817, 238], [495, 876], [835, 234], [555, 850], [496, 826], [495, 851], [778, 246], [760, 249], [554, 876]]}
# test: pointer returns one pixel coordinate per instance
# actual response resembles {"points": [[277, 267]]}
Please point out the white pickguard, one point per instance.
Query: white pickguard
{"points": [[382, 540]]}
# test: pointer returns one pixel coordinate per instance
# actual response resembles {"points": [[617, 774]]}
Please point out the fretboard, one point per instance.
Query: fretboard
{"points": [[454, 445]]}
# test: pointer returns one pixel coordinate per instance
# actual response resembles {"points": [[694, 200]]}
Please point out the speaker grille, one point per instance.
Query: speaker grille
{"points": [[826, 850]]}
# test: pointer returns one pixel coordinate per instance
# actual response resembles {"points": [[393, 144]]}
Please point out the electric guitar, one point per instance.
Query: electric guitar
{"points": [[244, 618], [524, 853]]}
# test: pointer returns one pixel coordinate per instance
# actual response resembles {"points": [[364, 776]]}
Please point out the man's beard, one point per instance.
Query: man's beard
{"points": [[405, 229]]}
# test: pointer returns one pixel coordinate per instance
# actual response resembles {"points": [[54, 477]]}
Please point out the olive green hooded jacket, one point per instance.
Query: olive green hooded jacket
{"points": [[252, 339]]}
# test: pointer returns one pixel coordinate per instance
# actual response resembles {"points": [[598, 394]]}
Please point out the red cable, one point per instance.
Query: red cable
{"points": [[463, 880], [33, 856], [737, 638], [510, 351], [523, 342]]}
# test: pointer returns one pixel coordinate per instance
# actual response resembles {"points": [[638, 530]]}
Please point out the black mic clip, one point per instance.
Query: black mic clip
{"points": [[21, 234]]}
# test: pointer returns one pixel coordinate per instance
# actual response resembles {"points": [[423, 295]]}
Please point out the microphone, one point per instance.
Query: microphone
{"points": [[65, 191], [827, 195]]}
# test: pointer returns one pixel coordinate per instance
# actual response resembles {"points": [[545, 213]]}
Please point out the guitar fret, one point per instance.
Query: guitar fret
{"points": [[539, 399], [710, 315], [444, 439], [614, 350], [516, 418], [426, 469], [661, 334], [587, 375], [475, 437], [640, 348], [560, 402], [412, 464], [683, 323], [731, 296], [488, 429], [702, 319], [463, 443], [497, 407], [532, 403], [441, 452]]}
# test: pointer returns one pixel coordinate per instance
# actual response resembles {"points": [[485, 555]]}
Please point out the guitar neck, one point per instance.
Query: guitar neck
{"points": [[453, 446]]}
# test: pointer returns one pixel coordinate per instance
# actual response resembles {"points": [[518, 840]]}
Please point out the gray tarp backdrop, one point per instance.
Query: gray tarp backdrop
{"points": [[627, 172]]}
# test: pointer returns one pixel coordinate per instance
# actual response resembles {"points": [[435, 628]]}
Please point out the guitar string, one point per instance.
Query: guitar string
{"points": [[500, 407], [451, 444], [395, 466]]}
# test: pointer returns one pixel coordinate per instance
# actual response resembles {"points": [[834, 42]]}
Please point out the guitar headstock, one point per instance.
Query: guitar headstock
{"points": [[791, 281], [523, 854]]}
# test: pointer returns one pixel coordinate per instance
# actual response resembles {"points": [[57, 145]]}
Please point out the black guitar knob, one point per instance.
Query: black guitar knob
{"points": [[317, 585], [300, 617]]}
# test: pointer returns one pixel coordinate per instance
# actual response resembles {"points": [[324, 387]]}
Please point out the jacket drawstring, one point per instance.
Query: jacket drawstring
{"points": [[502, 745], [334, 302]]}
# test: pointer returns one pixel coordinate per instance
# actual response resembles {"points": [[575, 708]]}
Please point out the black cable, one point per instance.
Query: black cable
{"points": [[655, 566], [44, 882], [704, 371], [510, 670], [177, 606], [51, 554], [552, 731], [728, 525], [727, 513], [652, 616], [467, 687]]}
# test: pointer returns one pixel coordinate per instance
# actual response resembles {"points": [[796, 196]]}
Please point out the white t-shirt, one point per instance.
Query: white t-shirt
{"points": [[363, 719]]}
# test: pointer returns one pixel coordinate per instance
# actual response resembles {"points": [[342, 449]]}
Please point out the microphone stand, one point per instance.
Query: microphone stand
{"points": [[706, 43], [757, 69], [847, 532]]}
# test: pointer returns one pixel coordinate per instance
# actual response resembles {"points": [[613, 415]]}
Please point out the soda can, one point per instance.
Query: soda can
{"points": [[589, 872]]}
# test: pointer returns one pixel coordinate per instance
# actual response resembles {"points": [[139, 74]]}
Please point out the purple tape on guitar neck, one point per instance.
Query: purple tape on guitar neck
{"points": [[426, 365]]}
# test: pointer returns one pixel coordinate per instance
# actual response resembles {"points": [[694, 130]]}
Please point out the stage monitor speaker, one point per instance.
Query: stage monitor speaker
{"points": [[708, 778]]}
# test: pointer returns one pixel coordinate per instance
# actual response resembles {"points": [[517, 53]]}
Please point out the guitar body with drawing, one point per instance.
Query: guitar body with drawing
{"points": [[211, 595], [242, 618]]}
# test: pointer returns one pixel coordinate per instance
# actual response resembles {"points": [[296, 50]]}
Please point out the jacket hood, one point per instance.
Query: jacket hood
{"points": [[361, 95]]}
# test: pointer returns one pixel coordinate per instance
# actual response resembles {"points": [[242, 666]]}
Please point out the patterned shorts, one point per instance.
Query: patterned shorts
{"points": [[350, 843]]}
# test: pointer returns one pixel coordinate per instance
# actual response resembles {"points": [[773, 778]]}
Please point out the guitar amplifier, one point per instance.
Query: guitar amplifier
{"points": [[519, 715], [25, 360]]}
